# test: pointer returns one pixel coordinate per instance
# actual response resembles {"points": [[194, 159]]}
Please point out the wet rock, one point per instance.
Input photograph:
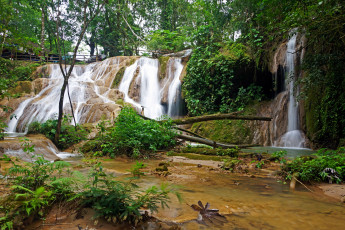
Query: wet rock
{"points": [[162, 169], [13, 147], [164, 164]]}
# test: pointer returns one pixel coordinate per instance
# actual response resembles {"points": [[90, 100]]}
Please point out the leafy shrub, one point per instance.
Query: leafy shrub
{"points": [[119, 201], [278, 156], [310, 169], [217, 79], [69, 135], [166, 40], [133, 136], [37, 184]]}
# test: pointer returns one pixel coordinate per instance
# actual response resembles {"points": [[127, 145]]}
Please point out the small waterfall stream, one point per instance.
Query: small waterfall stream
{"points": [[174, 93], [294, 137], [145, 71]]}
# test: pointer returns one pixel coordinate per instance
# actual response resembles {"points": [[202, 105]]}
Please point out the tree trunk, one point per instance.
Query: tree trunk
{"points": [[62, 94], [214, 144], [227, 116], [42, 34]]}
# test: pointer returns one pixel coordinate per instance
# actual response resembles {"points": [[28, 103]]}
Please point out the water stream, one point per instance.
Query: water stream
{"points": [[174, 93], [294, 137], [145, 72], [248, 203]]}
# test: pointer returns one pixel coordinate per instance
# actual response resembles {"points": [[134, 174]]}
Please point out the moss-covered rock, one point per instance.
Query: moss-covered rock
{"points": [[23, 87], [233, 132], [208, 151], [91, 146], [118, 77], [163, 61]]}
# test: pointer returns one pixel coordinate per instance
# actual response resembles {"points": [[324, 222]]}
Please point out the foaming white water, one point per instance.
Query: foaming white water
{"points": [[149, 88], [174, 95], [294, 137], [126, 82], [150, 97], [84, 87]]}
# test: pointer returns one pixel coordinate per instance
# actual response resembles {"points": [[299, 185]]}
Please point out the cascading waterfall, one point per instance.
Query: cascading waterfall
{"points": [[150, 98], [174, 94], [44, 105], [294, 137], [146, 72], [92, 95]]}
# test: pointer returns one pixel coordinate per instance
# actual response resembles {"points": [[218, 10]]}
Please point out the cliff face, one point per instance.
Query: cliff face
{"points": [[259, 132]]}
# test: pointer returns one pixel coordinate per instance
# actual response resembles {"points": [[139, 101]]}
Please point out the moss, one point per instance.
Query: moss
{"points": [[312, 113], [131, 62], [91, 146], [120, 102], [194, 156], [207, 151], [88, 127], [233, 132], [163, 61], [24, 87], [118, 77]]}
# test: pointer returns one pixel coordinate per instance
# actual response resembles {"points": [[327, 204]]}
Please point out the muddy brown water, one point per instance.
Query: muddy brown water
{"points": [[247, 203]]}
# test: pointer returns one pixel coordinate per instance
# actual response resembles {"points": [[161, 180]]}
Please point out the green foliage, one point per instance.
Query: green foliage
{"points": [[259, 164], [33, 200], [310, 169], [231, 164], [244, 97], [218, 77], [133, 136], [119, 201], [135, 169], [325, 102], [231, 152], [5, 221], [166, 41], [69, 136], [279, 156], [16, 70]]}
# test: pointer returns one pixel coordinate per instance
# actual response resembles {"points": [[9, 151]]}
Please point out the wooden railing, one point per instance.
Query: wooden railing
{"points": [[50, 58]]}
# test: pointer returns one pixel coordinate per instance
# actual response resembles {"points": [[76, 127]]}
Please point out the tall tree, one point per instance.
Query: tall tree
{"points": [[72, 19]]}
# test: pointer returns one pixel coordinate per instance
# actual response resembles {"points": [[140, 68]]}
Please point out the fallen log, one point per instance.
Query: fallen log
{"points": [[227, 116], [210, 142]]}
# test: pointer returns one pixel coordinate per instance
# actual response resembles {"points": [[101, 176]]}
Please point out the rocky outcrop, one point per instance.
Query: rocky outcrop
{"points": [[13, 146], [134, 88]]}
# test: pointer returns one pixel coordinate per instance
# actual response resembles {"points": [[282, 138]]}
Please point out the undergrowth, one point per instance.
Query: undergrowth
{"points": [[37, 185], [69, 135], [131, 135], [312, 168]]}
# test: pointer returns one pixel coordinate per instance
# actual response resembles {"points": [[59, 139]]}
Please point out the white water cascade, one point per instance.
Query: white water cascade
{"points": [[294, 137], [93, 96], [175, 68], [145, 72], [86, 86], [150, 98]]}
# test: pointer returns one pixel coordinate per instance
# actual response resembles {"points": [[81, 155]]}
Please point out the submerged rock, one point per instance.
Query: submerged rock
{"points": [[13, 146]]}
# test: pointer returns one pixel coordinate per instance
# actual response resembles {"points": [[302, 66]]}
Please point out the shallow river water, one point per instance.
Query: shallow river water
{"points": [[247, 203]]}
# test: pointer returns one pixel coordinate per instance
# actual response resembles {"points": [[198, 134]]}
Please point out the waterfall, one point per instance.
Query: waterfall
{"points": [[145, 72], [294, 137], [174, 93], [150, 98], [92, 95], [84, 89]]}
